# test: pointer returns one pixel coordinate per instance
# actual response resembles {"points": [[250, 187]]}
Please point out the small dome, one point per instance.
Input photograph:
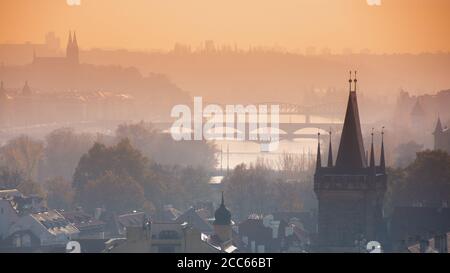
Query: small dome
{"points": [[222, 215]]}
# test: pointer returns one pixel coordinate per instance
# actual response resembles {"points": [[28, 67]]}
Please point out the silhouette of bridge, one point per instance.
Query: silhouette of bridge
{"points": [[288, 130]]}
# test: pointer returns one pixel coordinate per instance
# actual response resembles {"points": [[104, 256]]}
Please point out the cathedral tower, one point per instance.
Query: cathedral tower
{"points": [[72, 51]]}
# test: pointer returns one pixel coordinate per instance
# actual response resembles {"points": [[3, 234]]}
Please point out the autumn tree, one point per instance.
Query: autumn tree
{"points": [[121, 159], [116, 192], [63, 150], [23, 154], [428, 178], [60, 193], [161, 148]]}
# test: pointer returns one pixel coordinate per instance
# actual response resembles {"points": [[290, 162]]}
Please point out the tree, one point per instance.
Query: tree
{"points": [[406, 153], [30, 187], [195, 184], [60, 193], [395, 193], [63, 151], [121, 159], [116, 193], [428, 178], [23, 154], [248, 190], [161, 148]]}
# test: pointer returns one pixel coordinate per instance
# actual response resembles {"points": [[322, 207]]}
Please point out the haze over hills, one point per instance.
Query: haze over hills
{"points": [[233, 75], [258, 75]]}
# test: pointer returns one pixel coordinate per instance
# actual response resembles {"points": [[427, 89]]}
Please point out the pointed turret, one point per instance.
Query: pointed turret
{"points": [[351, 148], [75, 55], [222, 214], [372, 156], [74, 41], [438, 128], [382, 160], [330, 154], [319, 157], [69, 47]]}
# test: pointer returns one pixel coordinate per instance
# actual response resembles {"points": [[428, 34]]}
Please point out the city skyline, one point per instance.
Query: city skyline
{"points": [[392, 27]]}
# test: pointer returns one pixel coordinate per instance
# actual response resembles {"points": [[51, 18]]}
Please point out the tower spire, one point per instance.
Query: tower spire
{"points": [[438, 128], [74, 41], [330, 154], [355, 81], [350, 81], [351, 153], [382, 160], [372, 155], [222, 203], [319, 157], [69, 47]]}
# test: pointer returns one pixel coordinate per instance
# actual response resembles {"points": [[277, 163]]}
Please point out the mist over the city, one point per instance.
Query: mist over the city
{"points": [[88, 154]]}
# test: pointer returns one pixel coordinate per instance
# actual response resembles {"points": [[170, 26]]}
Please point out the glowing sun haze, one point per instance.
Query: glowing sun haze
{"points": [[382, 26]]}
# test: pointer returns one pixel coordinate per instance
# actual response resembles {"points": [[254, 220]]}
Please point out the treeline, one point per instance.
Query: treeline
{"points": [[267, 187], [424, 182], [137, 168]]}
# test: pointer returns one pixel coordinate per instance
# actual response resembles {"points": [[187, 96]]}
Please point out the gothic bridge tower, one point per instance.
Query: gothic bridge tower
{"points": [[350, 192]]}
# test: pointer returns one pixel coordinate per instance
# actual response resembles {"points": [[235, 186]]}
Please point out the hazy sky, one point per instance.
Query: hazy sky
{"points": [[394, 26]]}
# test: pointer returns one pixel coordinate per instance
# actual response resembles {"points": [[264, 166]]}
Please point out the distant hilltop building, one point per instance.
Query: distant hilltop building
{"points": [[21, 53], [351, 191], [441, 137], [71, 58]]}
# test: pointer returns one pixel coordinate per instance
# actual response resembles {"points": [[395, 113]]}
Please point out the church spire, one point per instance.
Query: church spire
{"points": [[222, 215], [372, 154], [319, 157], [382, 160], [438, 128], [351, 147], [69, 45], [330, 154], [350, 82], [74, 41]]}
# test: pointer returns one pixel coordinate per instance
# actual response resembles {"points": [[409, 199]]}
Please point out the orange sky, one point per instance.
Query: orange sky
{"points": [[395, 26]]}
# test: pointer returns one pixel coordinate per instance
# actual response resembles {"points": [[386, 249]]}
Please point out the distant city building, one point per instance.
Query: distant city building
{"points": [[441, 137], [20, 54], [350, 192], [418, 116], [71, 58]]}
